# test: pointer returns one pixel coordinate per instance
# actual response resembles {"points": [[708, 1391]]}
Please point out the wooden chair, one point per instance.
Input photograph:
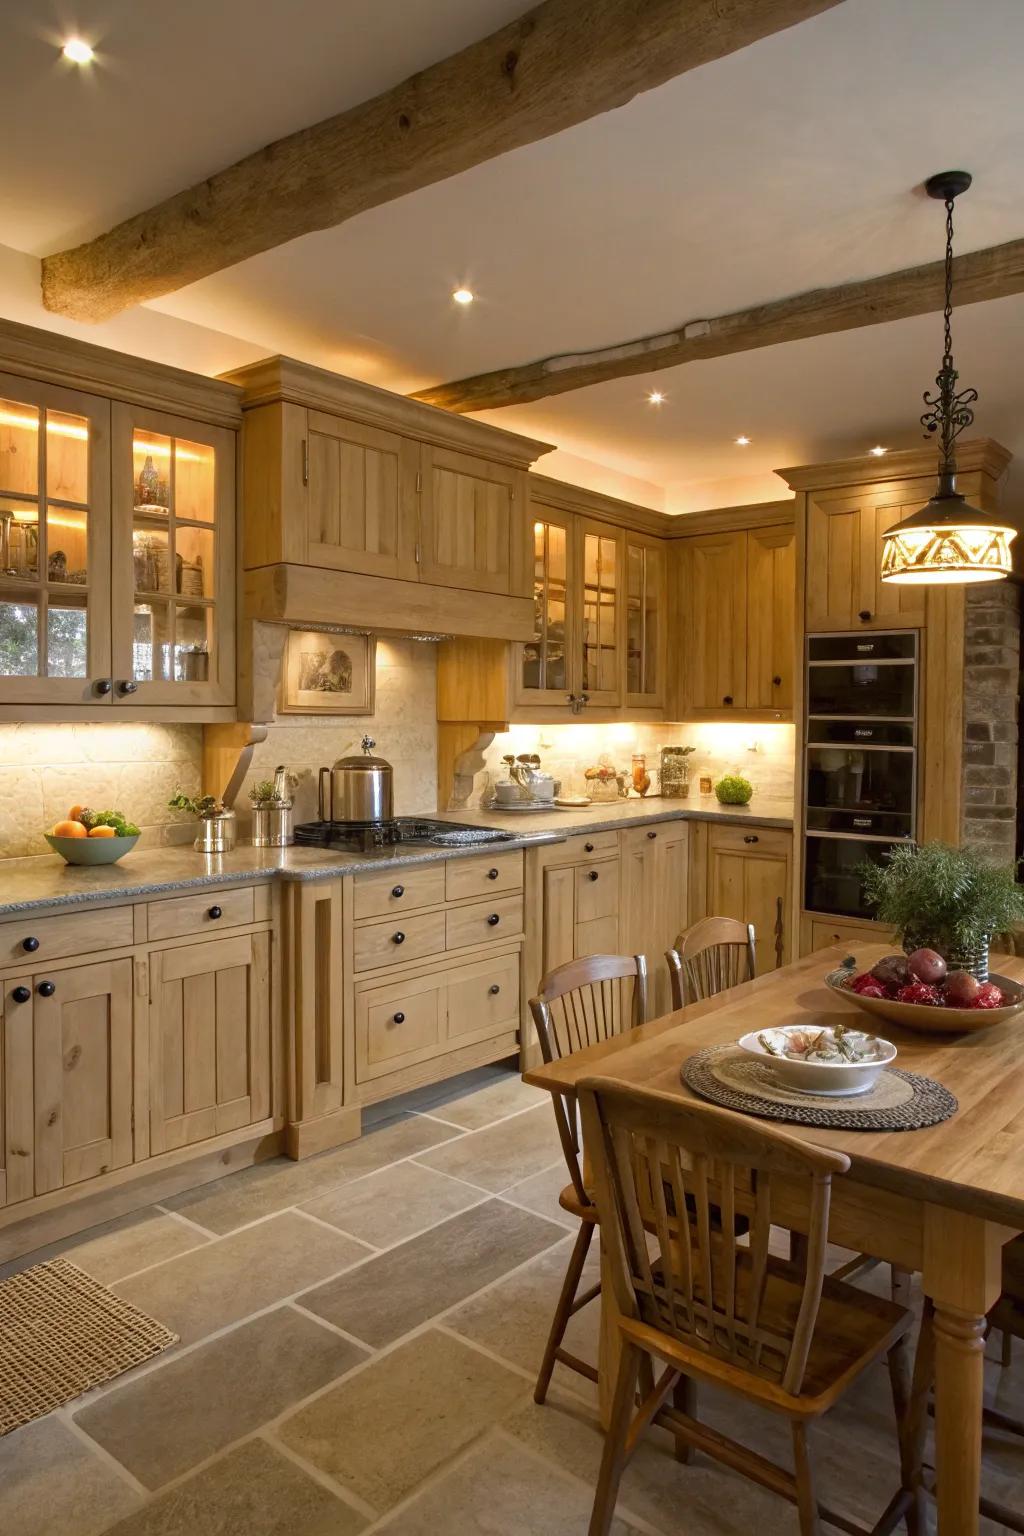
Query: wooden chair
{"points": [[713, 1309], [716, 953], [578, 1004]]}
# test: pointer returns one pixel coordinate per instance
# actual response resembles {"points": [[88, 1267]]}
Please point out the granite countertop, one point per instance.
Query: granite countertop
{"points": [[46, 883]]}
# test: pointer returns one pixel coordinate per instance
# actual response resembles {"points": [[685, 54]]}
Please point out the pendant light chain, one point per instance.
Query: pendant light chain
{"points": [[949, 412], [947, 358]]}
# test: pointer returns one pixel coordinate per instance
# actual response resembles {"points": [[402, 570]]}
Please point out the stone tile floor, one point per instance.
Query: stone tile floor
{"points": [[360, 1334]]}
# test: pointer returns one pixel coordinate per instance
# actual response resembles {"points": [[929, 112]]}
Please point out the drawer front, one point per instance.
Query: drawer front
{"points": [[479, 877], [594, 843], [208, 912], [398, 939], [824, 934], [398, 1025], [476, 924], [483, 999], [35, 940], [398, 890], [750, 839], [597, 891]]}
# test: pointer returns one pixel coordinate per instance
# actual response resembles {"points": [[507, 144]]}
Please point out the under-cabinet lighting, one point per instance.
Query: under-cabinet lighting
{"points": [[463, 295], [78, 51]]}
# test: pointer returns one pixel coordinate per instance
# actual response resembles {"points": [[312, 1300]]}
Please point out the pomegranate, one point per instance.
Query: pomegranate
{"points": [[961, 989], [870, 988], [988, 996], [927, 966], [921, 993], [892, 972], [865, 982]]}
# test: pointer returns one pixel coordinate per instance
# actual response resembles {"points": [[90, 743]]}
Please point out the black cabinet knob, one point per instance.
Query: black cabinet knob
{"points": [[592, 875], [398, 938], [102, 686], [494, 989], [492, 874], [46, 989], [398, 891], [864, 615], [125, 685], [652, 835], [30, 945], [494, 920], [727, 698], [588, 847], [215, 912], [20, 994], [776, 682], [399, 1018], [751, 837]]}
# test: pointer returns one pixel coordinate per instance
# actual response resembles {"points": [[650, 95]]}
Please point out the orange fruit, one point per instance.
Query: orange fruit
{"points": [[75, 813], [102, 832], [69, 829]]}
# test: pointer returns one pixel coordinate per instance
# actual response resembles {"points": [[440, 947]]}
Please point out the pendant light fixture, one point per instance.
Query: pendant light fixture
{"points": [[948, 540]]}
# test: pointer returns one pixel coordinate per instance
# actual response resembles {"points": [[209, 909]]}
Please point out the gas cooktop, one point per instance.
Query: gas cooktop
{"points": [[413, 831]]}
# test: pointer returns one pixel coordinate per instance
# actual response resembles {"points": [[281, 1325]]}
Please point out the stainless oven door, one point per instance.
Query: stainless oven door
{"points": [[832, 879]]}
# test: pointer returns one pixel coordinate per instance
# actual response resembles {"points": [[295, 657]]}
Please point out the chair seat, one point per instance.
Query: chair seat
{"points": [[854, 1329], [570, 1201]]}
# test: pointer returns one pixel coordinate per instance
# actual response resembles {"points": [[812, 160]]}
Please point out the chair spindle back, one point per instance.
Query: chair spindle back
{"points": [[713, 955]]}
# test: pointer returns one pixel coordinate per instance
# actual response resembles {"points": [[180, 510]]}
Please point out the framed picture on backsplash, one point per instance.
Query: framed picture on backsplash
{"points": [[327, 674]]}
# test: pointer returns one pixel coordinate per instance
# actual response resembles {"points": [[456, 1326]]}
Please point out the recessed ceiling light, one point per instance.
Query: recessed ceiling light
{"points": [[878, 451], [742, 442], [78, 51], [655, 397], [463, 295]]}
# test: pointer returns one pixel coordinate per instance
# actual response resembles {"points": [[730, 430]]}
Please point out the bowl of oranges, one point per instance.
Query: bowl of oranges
{"points": [[92, 837]]}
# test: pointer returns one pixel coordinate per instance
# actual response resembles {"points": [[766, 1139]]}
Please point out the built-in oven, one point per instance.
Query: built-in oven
{"points": [[860, 761]]}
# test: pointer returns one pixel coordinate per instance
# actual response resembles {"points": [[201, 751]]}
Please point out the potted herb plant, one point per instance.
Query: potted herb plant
{"points": [[217, 822], [946, 899]]}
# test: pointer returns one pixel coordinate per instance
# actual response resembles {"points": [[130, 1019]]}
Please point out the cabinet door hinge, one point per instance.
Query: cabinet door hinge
{"points": [[305, 461]]}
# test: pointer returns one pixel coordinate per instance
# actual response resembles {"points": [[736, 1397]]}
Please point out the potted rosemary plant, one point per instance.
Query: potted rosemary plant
{"points": [[946, 899]]}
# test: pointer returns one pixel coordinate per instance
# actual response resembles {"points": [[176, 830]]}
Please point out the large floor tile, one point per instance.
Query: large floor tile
{"points": [[513, 1318], [118, 1248], [395, 1422], [540, 1193], [230, 1279], [396, 1291], [162, 1424], [251, 1491], [272, 1186], [502, 1490], [50, 1482], [389, 1206], [501, 1154], [473, 1107]]}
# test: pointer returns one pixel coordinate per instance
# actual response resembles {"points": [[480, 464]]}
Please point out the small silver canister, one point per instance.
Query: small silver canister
{"points": [[272, 825], [217, 834]]}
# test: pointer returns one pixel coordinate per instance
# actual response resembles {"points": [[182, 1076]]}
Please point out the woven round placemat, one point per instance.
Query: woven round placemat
{"points": [[899, 1101]]}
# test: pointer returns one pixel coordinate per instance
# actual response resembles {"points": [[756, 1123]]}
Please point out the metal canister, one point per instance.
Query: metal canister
{"points": [[217, 834]]}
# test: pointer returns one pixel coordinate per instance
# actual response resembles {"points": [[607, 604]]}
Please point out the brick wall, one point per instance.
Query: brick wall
{"points": [[991, 684]]}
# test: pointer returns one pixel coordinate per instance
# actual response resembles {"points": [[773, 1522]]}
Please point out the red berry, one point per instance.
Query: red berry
{"points": [[867, 986], [989, 996], [919, 992]]}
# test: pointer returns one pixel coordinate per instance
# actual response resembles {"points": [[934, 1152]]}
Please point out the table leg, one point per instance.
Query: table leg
{"points": [[959, 1382]]}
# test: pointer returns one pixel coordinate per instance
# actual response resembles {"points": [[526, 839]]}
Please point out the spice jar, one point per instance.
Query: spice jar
{"points": [[675, 773]]}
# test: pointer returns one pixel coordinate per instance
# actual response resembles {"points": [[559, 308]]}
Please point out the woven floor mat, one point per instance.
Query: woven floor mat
{"points": [[61, 1332]]}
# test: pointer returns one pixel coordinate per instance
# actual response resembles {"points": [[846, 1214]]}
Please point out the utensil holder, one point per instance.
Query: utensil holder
{"points": [[217, 834], [272, 826]]}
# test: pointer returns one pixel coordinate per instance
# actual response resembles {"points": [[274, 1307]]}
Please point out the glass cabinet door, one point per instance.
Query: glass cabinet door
{"points": [[54, 545], [601, 639], [645, 622], [544, 664], [174, 576]]}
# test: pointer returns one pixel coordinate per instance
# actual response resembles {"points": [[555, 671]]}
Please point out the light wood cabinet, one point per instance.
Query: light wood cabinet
{"points": [[844, 552], [746, 873], [572, 904], [771, 618], [17, 1108], [209, 1039], [545, 670], [654, 899], [600, 637], [646, 638], [361, 506], [472, 523]]}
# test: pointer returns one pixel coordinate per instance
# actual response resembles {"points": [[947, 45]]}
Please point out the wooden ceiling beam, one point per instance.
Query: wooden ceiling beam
{"points": [[558, 65], [994, 273]]}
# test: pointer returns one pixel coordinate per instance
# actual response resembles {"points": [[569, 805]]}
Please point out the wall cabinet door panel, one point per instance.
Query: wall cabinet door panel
{"points": [[771, 618], [714, 599], [471, 522], [362, 498], [601, 637], [546, 669], [210, 1022], [646, 646], [844, 553]]}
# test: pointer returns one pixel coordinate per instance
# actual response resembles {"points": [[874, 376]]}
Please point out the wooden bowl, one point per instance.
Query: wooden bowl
{"points": [[931, 1021], [91, 850]]}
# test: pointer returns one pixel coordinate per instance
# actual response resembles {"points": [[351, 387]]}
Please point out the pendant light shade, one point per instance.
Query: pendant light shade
{"points": [[948, 540]]}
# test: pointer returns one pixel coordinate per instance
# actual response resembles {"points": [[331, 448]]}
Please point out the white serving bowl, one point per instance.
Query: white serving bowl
{"points": [[834, 1078]]}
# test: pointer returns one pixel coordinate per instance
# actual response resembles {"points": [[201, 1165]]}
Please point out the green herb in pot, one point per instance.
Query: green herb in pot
{"points": [[734, 790]]}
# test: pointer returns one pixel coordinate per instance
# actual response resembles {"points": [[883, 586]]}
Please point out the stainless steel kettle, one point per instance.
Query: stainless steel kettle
{"points": [[357, 788]]}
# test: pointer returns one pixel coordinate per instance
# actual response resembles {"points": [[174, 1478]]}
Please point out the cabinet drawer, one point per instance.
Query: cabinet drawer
{"points": [[476, 924], [597, 891], [211, 910], [483, 998], [595, 842], [398, 939], [397, 1025], [825, 933], [398, 890], [750, 839], [36, 940], [479, 877]]}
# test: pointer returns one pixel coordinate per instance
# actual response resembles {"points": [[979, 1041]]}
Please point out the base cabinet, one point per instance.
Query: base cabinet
{"points": [[572, 904], [653, 890], [746, 873], [209, 1039]]}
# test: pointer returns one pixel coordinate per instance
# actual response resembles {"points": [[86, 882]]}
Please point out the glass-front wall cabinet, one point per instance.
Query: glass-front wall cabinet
{"points": [[602, 548], [545, 662], [645, 622]]}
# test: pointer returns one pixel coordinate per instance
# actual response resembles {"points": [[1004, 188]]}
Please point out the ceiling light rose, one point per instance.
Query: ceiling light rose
{"points": [[948, 540]]}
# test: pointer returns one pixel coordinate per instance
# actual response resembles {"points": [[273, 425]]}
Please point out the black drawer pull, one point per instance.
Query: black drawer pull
{"points": [[397, 891], [864, 615], [492, 874], [20, 994], [751, 837], [588, 847], [126, 686], [494, 920], [593, 875], [30, 944], [46, 989], [727, 698], [399, 1018], [494, 989], [652, 835], [776, 682], [398, 938], [215, 912], [102, 686]]}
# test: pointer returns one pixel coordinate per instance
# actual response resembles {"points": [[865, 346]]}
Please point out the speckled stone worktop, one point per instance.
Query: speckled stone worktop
{"points": [[47, 883]]}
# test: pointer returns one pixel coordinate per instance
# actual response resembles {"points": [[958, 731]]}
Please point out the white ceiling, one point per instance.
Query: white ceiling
{"points": [[788, 166]]}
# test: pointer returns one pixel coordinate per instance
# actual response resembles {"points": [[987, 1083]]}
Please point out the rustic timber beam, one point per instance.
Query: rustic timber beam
{"points": [[557, 65], [993, 273]]}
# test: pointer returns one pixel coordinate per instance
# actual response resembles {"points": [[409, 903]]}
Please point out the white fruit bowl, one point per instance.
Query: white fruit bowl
{"points": [[836, 1079]]}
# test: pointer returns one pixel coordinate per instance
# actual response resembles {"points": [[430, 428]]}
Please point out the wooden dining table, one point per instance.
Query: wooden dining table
{"points": [[941, 1201]]}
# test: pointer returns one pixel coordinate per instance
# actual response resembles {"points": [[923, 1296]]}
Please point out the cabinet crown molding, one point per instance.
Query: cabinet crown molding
{"points": [[981, 454], [55, 359], [546, 492], [279, 378], [761, 514]]}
